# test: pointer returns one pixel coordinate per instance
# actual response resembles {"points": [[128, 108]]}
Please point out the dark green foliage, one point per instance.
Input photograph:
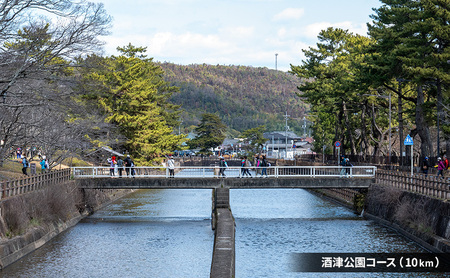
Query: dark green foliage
{"points": [[255, 137], [134, 96], [210, 133], [359, 201], [350, 78]]}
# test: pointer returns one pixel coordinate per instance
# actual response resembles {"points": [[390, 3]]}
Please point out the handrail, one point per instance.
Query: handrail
{"points": [[233, 172], [9, 188]]}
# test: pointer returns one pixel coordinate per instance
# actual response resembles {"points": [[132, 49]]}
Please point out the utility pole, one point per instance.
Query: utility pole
{"points": [[390, 132], [276, 61], [304, 127], [286, 130]]}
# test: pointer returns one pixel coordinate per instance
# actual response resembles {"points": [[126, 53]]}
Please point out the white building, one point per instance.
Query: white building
{"points": [[282, 144]]}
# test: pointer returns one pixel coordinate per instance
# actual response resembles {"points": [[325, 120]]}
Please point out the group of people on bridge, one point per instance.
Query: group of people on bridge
{"points": [[261, 165], [117, 165]]}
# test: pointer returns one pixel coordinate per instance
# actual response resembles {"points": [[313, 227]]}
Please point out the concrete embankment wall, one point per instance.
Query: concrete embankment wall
{"points": [[422, 219], [30, 220]]}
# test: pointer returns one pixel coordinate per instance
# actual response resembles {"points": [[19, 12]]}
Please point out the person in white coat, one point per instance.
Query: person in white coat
{"points": [[171, 166]]}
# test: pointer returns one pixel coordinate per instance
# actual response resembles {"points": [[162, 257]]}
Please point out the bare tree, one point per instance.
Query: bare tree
{"points": [[39, 43]]}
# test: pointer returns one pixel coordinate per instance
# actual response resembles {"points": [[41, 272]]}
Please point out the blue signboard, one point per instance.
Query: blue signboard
{"points": [[408, 141]]}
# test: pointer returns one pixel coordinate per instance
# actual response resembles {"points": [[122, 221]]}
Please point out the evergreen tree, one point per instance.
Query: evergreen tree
{"points": [[210, 133], [256, 137], [330, 87], [135, 97], [412, 40]]}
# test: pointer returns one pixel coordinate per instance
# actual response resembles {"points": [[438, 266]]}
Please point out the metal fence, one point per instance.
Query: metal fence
{"points": [[234, 172], [26, 184], [430, 186]]}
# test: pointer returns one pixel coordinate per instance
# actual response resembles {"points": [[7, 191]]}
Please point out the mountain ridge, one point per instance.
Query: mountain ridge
{"points": [[244, 97]]}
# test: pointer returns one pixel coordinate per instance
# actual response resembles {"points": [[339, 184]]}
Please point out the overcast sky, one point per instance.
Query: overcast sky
{"points": [[230, 32]]}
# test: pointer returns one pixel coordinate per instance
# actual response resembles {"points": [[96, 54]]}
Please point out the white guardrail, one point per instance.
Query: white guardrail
{"points": [[230, 172]]}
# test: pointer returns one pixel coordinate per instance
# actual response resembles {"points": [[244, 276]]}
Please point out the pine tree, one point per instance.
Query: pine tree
{"points": [[135, 97], [256, 137], [330, 86], [412, 40], [210, 133]]}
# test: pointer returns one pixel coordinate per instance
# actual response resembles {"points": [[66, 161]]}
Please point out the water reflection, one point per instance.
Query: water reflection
{"points": [[167, 233], [272, 224], [152, 233]]}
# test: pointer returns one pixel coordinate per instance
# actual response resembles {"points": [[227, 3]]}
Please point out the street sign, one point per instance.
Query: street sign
{"points": [[294, 146], [337, 144], [408, 141]]}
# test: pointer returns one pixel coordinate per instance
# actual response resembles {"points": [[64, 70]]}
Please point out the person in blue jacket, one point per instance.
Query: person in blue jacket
{"points": [[25, 165], [43, 165]]}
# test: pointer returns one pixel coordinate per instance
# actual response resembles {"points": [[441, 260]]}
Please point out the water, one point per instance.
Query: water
{"points": [[150, 233], [167, 233], [273, 224]]}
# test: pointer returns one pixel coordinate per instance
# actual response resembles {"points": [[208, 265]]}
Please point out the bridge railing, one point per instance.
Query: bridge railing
{"points": [[232, 172]]}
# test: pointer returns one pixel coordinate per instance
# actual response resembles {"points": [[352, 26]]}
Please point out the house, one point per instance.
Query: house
{"points": [[286, 144]]}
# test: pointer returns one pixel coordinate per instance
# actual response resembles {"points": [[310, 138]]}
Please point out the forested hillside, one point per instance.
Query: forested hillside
{"points": [[243, 97]]}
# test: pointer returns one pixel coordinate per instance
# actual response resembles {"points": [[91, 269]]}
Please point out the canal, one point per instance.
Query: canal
{"points": [[167, 233]]}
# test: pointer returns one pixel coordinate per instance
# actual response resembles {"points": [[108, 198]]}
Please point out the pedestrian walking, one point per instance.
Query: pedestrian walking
{"points": [[47, 166], [171, 166], [343, 164], [43, 165], [132, 170], [347, 167], [120, 166], [440, 167], [264, 165], [127, 162], [112, 162], [425, 166], [247, 166], [446, 163], [258, 165], [223, 165], [25, 165]]}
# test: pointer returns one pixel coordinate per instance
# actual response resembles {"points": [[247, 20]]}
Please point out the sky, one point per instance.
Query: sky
{"points": [[231, 32]]}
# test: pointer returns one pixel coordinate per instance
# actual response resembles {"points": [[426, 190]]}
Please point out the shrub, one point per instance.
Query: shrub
{"points": [[383, 201], [15, 215], [44, 207]]}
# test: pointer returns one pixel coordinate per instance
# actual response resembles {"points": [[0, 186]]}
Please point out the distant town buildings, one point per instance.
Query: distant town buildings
{"points": [[282, 144], [279, 144]]}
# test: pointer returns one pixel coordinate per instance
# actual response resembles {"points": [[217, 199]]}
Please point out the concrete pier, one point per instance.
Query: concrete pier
{"points": [[223, 261]]}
